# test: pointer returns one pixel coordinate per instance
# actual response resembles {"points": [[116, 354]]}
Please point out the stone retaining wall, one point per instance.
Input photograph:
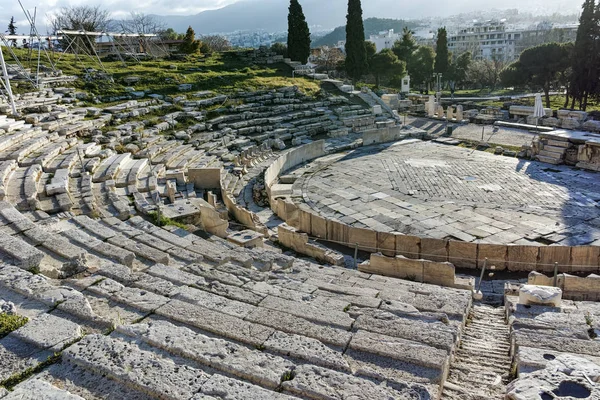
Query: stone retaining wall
{"points": [[573, 287], [424, 271], [461, 254]]}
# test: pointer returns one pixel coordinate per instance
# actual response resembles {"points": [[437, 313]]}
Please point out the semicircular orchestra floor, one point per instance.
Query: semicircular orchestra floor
{"points": [[432, 190]]}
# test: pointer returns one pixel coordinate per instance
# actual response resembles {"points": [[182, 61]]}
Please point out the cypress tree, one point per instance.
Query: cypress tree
{"points": [[585, 61], [356, 53], [298, 34], [12, 30], [442, 58]]}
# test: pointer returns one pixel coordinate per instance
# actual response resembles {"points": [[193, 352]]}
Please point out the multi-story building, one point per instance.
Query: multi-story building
{"points": [[385, 39], [494, 39]]}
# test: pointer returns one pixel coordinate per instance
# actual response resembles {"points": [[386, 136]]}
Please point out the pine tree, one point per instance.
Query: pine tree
{"points": [[405, 47], [356, 53], [190, 45], [298, 34], [584, 61], [442, 58], [12, 30]]}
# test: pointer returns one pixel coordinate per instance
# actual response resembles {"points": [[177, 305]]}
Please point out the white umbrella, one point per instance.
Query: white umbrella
{"points": [[538, 109]]}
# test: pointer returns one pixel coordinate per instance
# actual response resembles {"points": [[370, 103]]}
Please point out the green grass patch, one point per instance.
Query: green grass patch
{"points": [[164, 221], [9, 323], [220, 72]]}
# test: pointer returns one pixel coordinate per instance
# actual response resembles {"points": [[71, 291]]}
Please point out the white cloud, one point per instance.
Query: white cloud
{"points": [[118, 8]]}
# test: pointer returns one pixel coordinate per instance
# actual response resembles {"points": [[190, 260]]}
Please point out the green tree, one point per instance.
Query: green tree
{"points": [[298, 42], [458, 69], [442, 57], [356, 53], [279, 49], [371, 50], [385, 64], [404, 48], [170, 34], [420, 66], [585, 57], [539, 67], [12, 30], [190, 45]]}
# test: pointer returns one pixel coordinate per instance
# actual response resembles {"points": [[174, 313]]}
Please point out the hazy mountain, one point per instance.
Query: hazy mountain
{"points": [[271, 15], [372, 26]]}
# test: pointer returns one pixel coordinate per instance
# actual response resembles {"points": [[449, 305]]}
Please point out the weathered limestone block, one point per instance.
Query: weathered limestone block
{"points": [[522, 258], [256, 366], [295, 325], [366, 239], [386, 243], [26, 256], [584, 258], [434, 250], [496, 255], [320, 383], [549, 255], [432, 333], [463, 254], [337, 232], [408, 246], [397, 267], [333, 318], [580, 372], [216, 322], [306, 349], [213, 301], [133, 297], [144, 370], [540, 295], [49, 332], [400, 349], [37, 389], [318, 226], [223, 387]]}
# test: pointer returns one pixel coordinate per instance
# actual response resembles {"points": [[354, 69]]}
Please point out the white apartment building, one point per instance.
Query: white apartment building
{"points": [[494, 39], [385, 39]]}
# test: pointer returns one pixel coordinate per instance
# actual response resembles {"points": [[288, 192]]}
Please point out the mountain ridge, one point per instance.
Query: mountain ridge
{"points": [[271, 15]]}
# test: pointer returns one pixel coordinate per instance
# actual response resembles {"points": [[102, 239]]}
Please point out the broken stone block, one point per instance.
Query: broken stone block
{"points": [[540, 295]]}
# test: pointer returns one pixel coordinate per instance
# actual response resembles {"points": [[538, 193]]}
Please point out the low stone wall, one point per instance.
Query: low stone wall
{"points": [[423, 271], [383, 135], [243, 216], [573, 287], [291, 159], [299, 242], [460, 254]]}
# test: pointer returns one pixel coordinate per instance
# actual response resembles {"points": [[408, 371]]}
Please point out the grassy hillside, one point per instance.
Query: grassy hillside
{"points": [[220, 72], [372, 27]]}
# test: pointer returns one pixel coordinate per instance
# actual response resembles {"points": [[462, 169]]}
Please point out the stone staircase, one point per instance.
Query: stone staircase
{"points": [[482, 363]]}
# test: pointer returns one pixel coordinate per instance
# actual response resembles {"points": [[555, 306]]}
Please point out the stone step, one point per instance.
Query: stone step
{"points": [[549, 160], [147, 371]]}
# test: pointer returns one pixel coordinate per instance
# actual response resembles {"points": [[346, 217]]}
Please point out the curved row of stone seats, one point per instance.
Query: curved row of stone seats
{"points": [[6, 170], [554, 345], [542, 330], [34, 101], [279, 330], [10, 125], [22, 188], [46, 154]]}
